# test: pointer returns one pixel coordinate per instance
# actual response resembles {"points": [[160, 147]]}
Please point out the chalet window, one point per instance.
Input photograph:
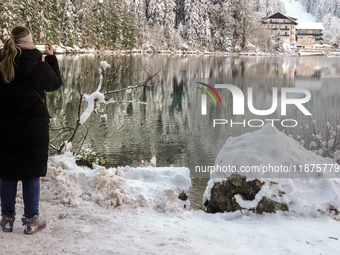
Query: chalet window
{"points": [[270, 21], [286, 27]]}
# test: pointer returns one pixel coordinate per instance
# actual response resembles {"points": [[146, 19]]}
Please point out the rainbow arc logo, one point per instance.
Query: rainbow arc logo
{"points": [[204, 97], [213, 90], [239, 99]]}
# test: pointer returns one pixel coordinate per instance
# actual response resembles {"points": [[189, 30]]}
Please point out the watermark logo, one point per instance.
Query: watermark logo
{"points": [[238, 99], [204, 97], [239, 102]]}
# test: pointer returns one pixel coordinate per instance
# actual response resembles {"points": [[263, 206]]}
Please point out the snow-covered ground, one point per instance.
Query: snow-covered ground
{"points": [[296, 10], [136, 211], [92, 229]]}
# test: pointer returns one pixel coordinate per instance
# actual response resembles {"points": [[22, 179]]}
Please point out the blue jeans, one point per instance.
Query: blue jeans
{"points": [[31, 194]]}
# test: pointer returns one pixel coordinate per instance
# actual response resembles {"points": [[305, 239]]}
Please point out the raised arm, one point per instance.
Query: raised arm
{"points": [[52, 75]]}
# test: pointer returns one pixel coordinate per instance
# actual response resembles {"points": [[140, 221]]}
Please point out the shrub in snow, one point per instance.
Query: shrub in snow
{"points": [[324, 142], [88, 158]]}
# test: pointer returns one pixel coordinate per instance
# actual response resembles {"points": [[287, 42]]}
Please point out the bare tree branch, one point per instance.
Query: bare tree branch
{"points": [[62, 146], [143, 83], [87, 131], [81, 94], [68, 129]]}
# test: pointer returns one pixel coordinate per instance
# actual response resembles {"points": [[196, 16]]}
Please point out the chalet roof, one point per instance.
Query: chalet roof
{"points": [[279, 15], [292, 17], [311, 25]]}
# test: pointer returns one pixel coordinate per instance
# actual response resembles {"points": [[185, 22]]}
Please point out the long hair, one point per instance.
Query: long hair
{"points": [[10, 51]]}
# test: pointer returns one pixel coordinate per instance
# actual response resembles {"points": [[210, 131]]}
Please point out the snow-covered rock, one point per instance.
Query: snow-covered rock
{"points": [[306, 194]]}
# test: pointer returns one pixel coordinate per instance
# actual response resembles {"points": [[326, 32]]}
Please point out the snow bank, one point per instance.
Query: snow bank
{"points": [[152, 187], [269, 146], [304, 196]]}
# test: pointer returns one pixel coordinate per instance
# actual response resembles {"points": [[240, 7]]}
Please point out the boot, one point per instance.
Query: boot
{"points": [[7, 222], [33, 224]]}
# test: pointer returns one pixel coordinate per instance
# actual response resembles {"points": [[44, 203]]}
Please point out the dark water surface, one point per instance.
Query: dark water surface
{"points": [[158, 120]]}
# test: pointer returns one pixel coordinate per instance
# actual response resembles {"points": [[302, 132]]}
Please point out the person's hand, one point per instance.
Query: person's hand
{"points": [[49, 49]]}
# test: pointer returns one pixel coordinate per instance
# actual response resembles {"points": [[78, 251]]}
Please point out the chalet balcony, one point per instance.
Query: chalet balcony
{"points": [[287, 23], [304, 34]]}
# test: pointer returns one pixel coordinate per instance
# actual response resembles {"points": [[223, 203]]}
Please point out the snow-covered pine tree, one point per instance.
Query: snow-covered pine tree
{"points": [[198, 24], [9, 17], [88, 23], [169, 24], [100, 25], [241, 11], [68, 24], [33, 17], [161, 15], [337, 8], [221, 24], [179, 11], [111, 18], [320, 8], [268, 6], [142, 24], [156, 12], [50, 20], [129, 29], [331, 33]]}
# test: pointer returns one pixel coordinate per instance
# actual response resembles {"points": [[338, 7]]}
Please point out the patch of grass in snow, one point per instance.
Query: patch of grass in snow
{"points": [[89, 157]]}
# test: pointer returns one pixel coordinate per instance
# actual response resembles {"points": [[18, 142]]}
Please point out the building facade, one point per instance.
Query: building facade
{"points": [[312, 31], [281, 26]]}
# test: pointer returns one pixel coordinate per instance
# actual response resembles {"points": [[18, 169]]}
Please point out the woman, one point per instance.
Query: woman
{"points": [[24, 137]]}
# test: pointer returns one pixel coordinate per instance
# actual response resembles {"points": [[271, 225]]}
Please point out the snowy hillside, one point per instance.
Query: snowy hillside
{"points": [[296, 10]]}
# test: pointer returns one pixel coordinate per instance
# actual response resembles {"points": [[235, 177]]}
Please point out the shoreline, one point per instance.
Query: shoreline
{"points": [[72, 51]]}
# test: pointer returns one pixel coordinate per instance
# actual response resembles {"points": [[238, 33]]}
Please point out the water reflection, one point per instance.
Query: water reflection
{"points": [[150, 121], [132, 131]]}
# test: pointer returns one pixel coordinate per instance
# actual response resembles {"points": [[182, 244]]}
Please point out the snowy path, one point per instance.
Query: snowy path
{"points": [[91, 229], [296, 10], [79, 205]]}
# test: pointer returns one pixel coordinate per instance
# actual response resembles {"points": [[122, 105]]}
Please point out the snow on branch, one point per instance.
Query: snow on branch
{"points": [[92, 99], [90, 105]]}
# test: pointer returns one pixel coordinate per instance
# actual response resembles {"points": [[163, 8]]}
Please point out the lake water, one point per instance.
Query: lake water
{"points": [[162, 119]]}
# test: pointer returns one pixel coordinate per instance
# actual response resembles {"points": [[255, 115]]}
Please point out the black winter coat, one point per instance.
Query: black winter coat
{"points": [[24, 129]]}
